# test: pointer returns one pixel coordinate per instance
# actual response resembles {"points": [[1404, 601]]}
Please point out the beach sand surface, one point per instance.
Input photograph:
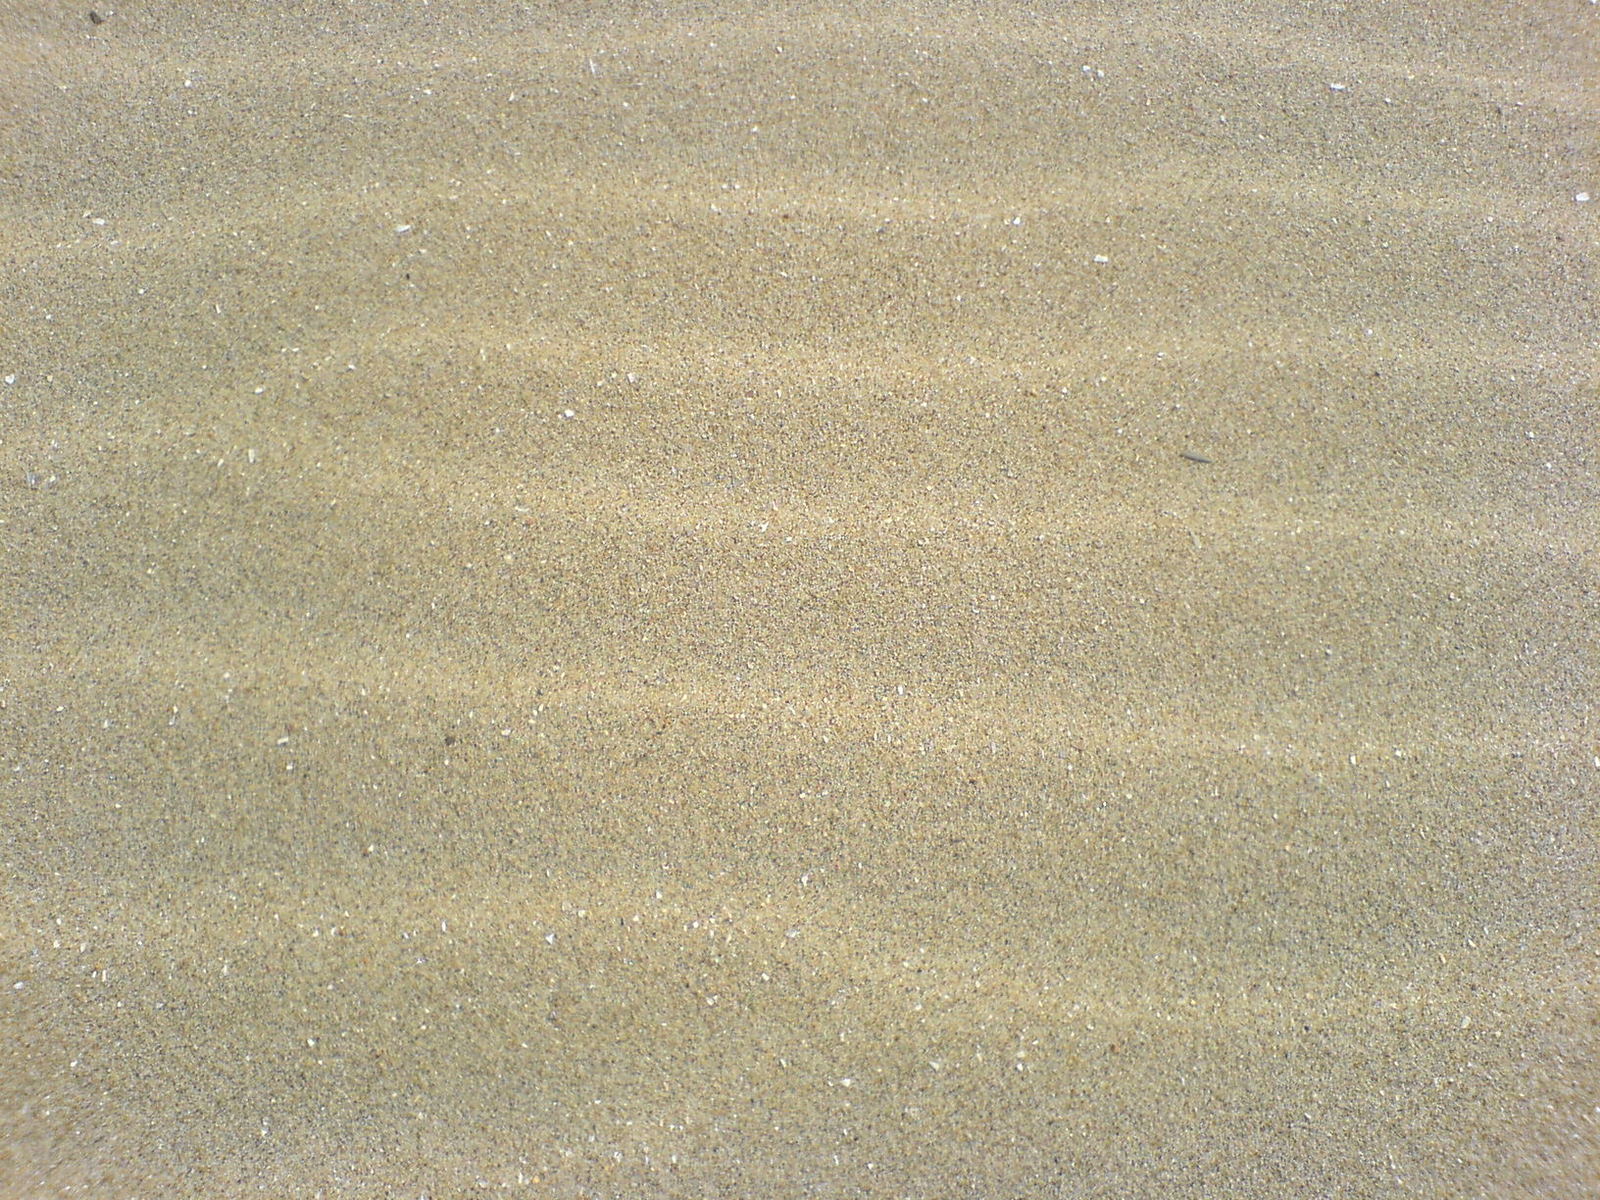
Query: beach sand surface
{"points": [[659, 600]]}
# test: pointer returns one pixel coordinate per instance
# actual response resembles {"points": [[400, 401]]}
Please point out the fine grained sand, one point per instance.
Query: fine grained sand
{"points": [[605, 600]]}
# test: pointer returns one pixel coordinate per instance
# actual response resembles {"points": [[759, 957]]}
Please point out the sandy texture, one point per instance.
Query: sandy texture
{"points": [[609, 601]]}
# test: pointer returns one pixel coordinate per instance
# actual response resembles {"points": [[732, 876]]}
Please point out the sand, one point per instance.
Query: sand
{"points": [[649, 600]]}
